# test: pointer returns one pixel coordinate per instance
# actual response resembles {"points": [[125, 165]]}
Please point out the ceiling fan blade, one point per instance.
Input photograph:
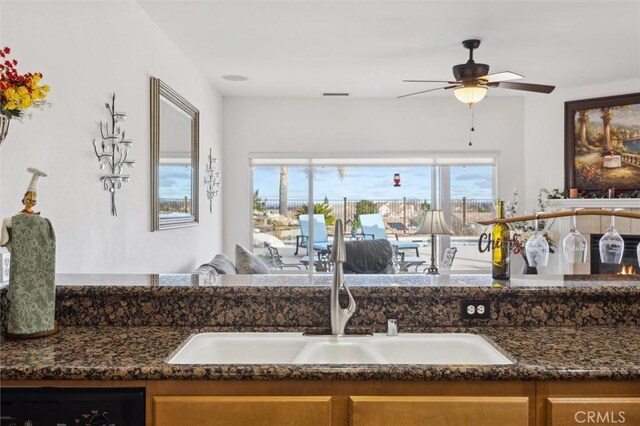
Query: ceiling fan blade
{"points": [[428, 81], [430, 90], [503, 76], [528, 87]]}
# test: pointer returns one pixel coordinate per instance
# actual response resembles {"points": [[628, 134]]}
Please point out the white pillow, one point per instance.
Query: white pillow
{"points": [[249, 263]]}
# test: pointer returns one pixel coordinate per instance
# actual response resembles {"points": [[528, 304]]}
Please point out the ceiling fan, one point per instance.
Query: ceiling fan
{"points": [[472, 80]]}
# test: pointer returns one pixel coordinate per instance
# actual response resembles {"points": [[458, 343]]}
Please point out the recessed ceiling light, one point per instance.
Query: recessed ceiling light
{"points": [[232, 77], [335, 94]]}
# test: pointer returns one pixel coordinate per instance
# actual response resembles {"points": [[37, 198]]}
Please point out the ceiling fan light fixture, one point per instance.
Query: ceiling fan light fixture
{"points": [[473, 79], [470, 94]]}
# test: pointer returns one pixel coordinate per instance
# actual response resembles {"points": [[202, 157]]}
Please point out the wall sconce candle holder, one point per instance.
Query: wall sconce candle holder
{"points": [[113, 152], [211, 179]]}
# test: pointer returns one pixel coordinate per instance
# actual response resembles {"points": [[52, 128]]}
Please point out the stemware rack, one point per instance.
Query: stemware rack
{"points": [[565, 213]]}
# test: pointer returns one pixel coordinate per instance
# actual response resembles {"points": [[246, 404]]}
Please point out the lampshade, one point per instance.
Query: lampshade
{"points": [[470, 94], [434, 224]]}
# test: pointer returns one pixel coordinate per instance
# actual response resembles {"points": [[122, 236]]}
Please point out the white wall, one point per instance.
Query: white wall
{"points": [[86, 51], [544, 133], [334, 126]]}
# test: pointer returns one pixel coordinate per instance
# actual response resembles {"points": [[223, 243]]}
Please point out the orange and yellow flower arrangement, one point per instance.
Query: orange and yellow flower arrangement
{"points": [[18, 92]]}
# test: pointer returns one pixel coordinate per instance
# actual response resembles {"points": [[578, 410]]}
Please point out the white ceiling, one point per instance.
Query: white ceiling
{"points": [[304, 48]]}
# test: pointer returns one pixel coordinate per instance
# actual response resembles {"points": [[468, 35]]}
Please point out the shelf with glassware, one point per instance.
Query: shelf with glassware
{"points": [[574, 245], [567, 213]]}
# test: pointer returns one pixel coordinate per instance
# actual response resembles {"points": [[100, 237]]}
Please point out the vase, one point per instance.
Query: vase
{"points": [[4, 127], [529, 270]]}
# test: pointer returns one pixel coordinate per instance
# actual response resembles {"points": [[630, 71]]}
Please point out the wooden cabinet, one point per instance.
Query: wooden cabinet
{"points": [[379, 402], [242, 410], [588, 403], [342, 403], [600, 411], [433, 410]]}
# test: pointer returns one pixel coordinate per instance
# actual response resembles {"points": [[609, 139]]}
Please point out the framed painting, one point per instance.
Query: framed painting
{"points": [[602, 145]]}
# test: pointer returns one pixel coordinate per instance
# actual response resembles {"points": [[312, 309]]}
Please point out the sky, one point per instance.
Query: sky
{"points": [[374, 182], [360, 182], [174, 181]]}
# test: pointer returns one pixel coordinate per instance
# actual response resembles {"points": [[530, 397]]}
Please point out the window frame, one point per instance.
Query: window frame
{"points": [[436, 160]]}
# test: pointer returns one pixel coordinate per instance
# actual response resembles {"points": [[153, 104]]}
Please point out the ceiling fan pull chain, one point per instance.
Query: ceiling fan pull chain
{"points": [[472, 128]]}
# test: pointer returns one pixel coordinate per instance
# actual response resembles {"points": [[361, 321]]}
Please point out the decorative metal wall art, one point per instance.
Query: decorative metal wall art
{"points": [[211, 179], [113, 151]]}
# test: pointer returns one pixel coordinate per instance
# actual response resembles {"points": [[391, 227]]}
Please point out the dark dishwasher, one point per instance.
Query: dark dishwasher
{"points": [[72, 406]]}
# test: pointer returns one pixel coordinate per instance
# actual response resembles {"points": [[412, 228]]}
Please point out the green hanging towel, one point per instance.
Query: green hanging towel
{"points": [[32, 287]]}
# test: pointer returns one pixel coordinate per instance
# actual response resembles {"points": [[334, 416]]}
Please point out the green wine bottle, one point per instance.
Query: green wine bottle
{"points": [[500, 247]]}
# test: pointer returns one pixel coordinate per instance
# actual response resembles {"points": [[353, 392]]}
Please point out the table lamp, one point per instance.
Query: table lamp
{"points": [[434, 224]]}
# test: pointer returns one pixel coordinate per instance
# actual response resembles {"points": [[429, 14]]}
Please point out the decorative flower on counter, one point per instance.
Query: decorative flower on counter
{"points": [[19, 92]]}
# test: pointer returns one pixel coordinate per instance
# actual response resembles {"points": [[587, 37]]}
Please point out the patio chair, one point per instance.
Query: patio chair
{"points": [[447, 259], [320, 237], [276, 258], [373, 227], [322, 261], [404, 262]]}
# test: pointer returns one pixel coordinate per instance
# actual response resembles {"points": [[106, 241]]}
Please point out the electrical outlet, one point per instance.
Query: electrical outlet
{"points": [[475, 309]]}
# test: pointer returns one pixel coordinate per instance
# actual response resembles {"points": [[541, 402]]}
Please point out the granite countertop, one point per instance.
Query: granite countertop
{"points": [[125, 327], [140, 353]]}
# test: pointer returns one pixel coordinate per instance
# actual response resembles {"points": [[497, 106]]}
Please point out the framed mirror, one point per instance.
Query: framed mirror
{"points": [[174, 158]]}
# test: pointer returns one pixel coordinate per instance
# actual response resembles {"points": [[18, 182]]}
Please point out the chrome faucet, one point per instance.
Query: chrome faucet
{"points": [[339, 315]]}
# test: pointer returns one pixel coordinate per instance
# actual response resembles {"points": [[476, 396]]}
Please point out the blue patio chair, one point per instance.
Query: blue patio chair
{"points": [[320, 238], [372, 227]]}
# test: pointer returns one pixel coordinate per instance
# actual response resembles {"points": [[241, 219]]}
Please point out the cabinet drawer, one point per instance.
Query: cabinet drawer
{"points": [[432, 410], [242, 410], [593, 411]]}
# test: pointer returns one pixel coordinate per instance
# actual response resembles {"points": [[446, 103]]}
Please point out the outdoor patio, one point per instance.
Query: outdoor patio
{"points": [[401, 219], [467, 259]]}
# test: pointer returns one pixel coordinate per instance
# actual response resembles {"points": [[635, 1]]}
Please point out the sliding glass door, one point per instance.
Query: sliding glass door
{"points": [[395, 193]]}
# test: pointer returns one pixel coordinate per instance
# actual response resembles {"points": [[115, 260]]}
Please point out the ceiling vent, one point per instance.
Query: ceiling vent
{"points": [[335, 94]]}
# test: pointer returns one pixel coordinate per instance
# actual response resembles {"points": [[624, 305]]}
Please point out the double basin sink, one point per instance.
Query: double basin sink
{"points": [[296, 348]]}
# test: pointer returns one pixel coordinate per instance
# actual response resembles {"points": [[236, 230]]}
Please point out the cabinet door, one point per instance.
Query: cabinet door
{"points": [[242, 410], [431, 410], [600, 411]]}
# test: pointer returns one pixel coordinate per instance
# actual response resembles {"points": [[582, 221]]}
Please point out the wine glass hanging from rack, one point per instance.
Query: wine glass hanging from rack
{"points": [[611, 247]]}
